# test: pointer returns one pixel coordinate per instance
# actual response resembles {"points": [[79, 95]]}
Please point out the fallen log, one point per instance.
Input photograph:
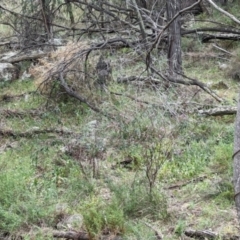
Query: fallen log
{"points": [[5, 43], [24, 57], [9, 97], [70, 235], [32, 132], [206, 234], [220, 111], [18, 113], [205, 37]]}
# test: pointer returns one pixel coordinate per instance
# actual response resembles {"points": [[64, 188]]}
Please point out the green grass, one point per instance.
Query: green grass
{"points": [[37, 173]]}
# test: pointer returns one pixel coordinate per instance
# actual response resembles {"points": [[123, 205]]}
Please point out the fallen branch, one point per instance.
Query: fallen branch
{"points": [[82, 99], [7, 97], [24, 57], [32, 132], [179, 185], [206, 234], [221, 111], [159, 235], [189, 81], [16, 113], [5, 43], [141, 79], [210, 29], [71, 235], [79, 235], [205, 37], [224, 12]]}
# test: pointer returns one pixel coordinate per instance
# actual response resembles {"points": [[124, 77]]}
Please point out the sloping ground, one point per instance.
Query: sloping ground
{"points": [[156, 169]]}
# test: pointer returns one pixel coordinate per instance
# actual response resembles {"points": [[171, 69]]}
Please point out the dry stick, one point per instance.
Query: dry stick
{"points": [[206, 234], [132, 98], [33, 132], [6, 97], [219, 111], [24, 57], [224, 12], [189, 82], [71, 235], [81, 99], [179, 185], [222, 49], [18, 113], [158, 234]]}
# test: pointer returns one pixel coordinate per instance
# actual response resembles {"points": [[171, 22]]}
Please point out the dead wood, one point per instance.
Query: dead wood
{"points": [[74, 94], [5, 43], [206, 234], [26, 57], [150, 80], [18, 113], [81, 236], [220, 111], [199, 55], [32, 132], [187, 81], [207, 37], [179, 185], [157, 232], [232, 17], [208, 29], [9, 97], [71, 235]]}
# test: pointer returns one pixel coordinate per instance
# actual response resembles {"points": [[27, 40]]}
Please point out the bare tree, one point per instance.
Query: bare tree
{"points": [[236, 162], [174, 39]]}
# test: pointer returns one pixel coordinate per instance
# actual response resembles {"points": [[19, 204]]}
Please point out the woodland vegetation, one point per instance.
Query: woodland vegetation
{"points": [[117, 119]]}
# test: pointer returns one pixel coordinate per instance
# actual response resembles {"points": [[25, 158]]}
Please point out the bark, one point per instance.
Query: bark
{"points": [[221, 111], [207, 37], [32, 133], [174, 39], [206, 234], [24, 57], [236, 161]]}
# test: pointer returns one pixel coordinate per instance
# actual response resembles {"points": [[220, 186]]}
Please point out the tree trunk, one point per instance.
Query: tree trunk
{"points": [[236, 161], [174, 39]]}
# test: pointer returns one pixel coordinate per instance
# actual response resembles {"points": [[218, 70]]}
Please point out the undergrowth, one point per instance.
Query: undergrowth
{"points": [[155, 163]]}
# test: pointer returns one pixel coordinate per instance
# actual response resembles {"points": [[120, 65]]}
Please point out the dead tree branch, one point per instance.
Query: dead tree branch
{"points": [[158, 38], [74, 94], [31, 133], [189, 81], [206, 234], [24, 57], [221, 111], [224, 12], [18, 113], [71, 235]]}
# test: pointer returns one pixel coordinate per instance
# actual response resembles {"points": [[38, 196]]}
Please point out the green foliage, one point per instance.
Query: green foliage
{"points": [[221, 158], [99, 216], [180, 228], [136, 202], [20, 202]]}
